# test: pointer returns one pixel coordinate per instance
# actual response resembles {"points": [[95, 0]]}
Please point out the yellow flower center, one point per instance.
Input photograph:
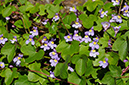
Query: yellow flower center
{"points": [[124, 5], [52, 42], [96, 38], [1, 64], [45, 39], [102, 12], [1, 38], [19, 58], [118, 16], [68, 36], [93, 50], [14, 39], [34, 30], [45, 44], [53, 53], [30, 39], [76, 34], [55, 60], [86, 36], [76, 23], [90, 30], [73, 8], [56, 16], [104, 61], [126, 11], [116, 0], [95, 43]]}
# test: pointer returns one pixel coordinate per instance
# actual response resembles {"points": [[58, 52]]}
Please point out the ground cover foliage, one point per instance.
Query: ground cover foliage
{"points": [[49, 44]]}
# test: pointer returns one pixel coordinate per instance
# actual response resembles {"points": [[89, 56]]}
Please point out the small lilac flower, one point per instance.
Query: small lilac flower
{"points": [[86, 38], [126, 13], [96, 39], [7, 18], [73, 9], [102, 13], [52, 74], [126, 7], [91, 32], [93, 53], [2, 40], [104, 63], [71, 69], [45, 22], [54, 61], [77, 24], [44, 39], [76, 36], [113, 19], [94, 45], [34, 32], [30, 40], [105, 25], [17, 59], [56, 17], [14, 39], [119, 19], [51, 44], [125, 60], [53, 54], [68, 38], [10, 66], [45, 46], [2, 65], [115, 2], [116, 29], [109, 43], [116, 18]]}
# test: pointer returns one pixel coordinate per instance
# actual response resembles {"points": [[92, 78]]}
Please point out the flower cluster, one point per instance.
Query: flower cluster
{"points": [[2, 40], [125, 10]]}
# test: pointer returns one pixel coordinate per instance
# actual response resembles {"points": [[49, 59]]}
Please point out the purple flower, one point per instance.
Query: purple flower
{"points": [[105, 25], [86, 39], [94, 45], [76, 36], [73, 9], [109, 43], [51, 44], [7, 18], [44, 39], [77, 24], [91, 32], [56, 17], [126, 13], [116, 18], [126, 7], [115, 2], [71, 69], [125, 60], [93, 53], [102, 13], [45, 46], [45, 22], [34, 32], [2, 64], [54, 61], [96, 39], [17, 59], [104, 63], [53, 54], [14, 39], [68, 38], [116, 29], [52, 74], [30, 40], [2, 40]]}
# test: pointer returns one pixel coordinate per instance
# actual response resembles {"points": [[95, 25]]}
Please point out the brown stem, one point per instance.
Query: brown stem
{"points": [[120, 6]]}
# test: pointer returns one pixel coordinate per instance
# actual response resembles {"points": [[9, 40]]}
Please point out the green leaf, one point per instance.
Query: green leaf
{"points": [[61, 46], [75, 58], [29, 6], [26, 21], [8, 10], [74, 78], [84, 50], [53, 28], [108, 79], [22, 1], [42, 10], [28, 50], [58, 1], [9, 50], [115, 71], [80, 67], [9, 75], [35, 8], [37, 56], [19, 23]]}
